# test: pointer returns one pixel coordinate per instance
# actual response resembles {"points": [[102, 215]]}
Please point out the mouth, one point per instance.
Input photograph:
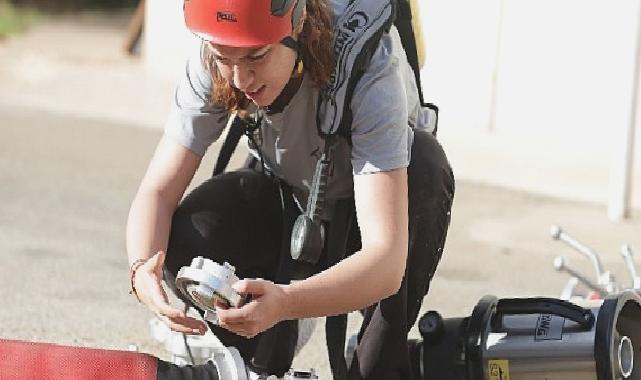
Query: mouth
{"points": [[256, 94]]}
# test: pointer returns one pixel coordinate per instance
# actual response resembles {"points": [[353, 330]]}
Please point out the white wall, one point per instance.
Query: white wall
{"points": [[549, 120], [166, 39], [562, 91]]}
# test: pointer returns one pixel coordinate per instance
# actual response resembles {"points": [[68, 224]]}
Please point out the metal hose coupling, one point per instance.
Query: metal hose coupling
{"points": [[204, 282]]}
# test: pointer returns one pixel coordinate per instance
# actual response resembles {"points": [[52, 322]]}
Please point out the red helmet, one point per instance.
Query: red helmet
{"points": [[243, 23]]}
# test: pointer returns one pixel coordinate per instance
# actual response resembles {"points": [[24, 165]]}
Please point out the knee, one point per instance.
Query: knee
{"points": [[214, 219], [199, 218]]}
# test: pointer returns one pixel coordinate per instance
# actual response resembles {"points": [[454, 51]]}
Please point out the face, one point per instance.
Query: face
{"points": [[260, 72]]}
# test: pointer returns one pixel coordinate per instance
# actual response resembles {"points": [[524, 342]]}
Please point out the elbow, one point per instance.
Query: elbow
{"points": [[394, 285], [396, 273], [388, 260]]}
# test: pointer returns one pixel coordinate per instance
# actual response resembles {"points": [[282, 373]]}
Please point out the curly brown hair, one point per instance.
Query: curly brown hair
{"points": [[316, 52]]}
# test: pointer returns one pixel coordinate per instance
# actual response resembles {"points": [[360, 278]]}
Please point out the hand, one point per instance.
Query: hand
{"points": [[268, 306], [148, 283]]}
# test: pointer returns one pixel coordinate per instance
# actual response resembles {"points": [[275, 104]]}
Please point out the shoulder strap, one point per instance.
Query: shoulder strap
{"points": [[356, 36], [403, 23], [236, 130]]}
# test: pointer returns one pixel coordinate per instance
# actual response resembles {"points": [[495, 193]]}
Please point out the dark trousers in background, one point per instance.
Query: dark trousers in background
{"points": [[237, 217]]}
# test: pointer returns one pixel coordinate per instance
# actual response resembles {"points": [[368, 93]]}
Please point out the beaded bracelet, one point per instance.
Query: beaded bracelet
{"points": [[132, 274]]}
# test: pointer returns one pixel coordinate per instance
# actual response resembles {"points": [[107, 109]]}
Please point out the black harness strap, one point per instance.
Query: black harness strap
{"points": [[344, 127], [237, 128], [343, 219], [403, 23], [335, 334], [336, 326]]}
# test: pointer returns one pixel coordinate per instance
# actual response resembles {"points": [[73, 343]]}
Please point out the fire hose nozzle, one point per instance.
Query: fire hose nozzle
{"points": [[205, 282]]}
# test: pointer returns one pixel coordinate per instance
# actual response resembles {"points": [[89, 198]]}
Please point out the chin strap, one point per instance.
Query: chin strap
{"points": [[292, 86], [291, 43]]}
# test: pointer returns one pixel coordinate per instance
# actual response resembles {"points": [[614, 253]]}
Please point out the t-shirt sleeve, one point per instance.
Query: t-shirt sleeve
{"points": [[193, 122], [381, 136]]}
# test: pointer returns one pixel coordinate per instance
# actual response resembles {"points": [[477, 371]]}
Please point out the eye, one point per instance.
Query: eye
{"points": [[222, 61], [256, 58]]}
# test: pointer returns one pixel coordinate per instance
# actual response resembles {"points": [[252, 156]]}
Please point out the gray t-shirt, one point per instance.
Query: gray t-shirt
{"points": [[384, 105]]}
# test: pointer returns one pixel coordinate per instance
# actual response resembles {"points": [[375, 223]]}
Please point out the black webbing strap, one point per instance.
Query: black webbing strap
{"points": [[276, 347], [236, 130], [335, 331], [403, 23], [336, 326], [343, 217]]}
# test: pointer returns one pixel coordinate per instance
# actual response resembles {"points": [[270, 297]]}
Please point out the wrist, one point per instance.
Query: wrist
{"points": [[133, 268], [290, 307]]}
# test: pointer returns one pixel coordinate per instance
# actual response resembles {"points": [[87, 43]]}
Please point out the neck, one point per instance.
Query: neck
{"points": [[285, 96]]}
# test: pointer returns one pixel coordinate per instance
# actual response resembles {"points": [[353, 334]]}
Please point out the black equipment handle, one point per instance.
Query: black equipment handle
{"points": [[542, 305]]}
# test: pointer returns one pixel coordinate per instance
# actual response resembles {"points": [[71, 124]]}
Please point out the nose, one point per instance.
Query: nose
{"points": [[243, 77]]}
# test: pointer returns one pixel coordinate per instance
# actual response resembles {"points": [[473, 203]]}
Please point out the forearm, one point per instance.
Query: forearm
{"points": [[358, 281], [170, 171], [148, 225], [377, 270]]}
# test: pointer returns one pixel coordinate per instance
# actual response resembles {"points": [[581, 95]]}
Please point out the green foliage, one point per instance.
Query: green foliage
{"points": [[13, 19]]}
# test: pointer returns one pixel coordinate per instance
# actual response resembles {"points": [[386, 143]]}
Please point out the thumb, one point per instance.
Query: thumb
{"points": [[246, 286], [157, 261]]}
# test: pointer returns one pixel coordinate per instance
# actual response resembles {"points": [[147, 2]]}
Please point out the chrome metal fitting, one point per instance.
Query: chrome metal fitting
{"points": [[300, 375], [204, 282]]}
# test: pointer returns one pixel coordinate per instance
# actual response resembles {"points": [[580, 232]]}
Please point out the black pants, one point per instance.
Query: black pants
{"points": [[237, 217]]}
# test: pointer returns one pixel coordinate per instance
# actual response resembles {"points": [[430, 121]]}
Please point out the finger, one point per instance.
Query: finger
{"points": [[234, 327], [189, 322], [239, 315], [168, 311], [245, 300], [256, 287], [179, 327], [239, 329], [231, 322], [162, 306], [157, 261], [150, 291], [220, 304]]}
